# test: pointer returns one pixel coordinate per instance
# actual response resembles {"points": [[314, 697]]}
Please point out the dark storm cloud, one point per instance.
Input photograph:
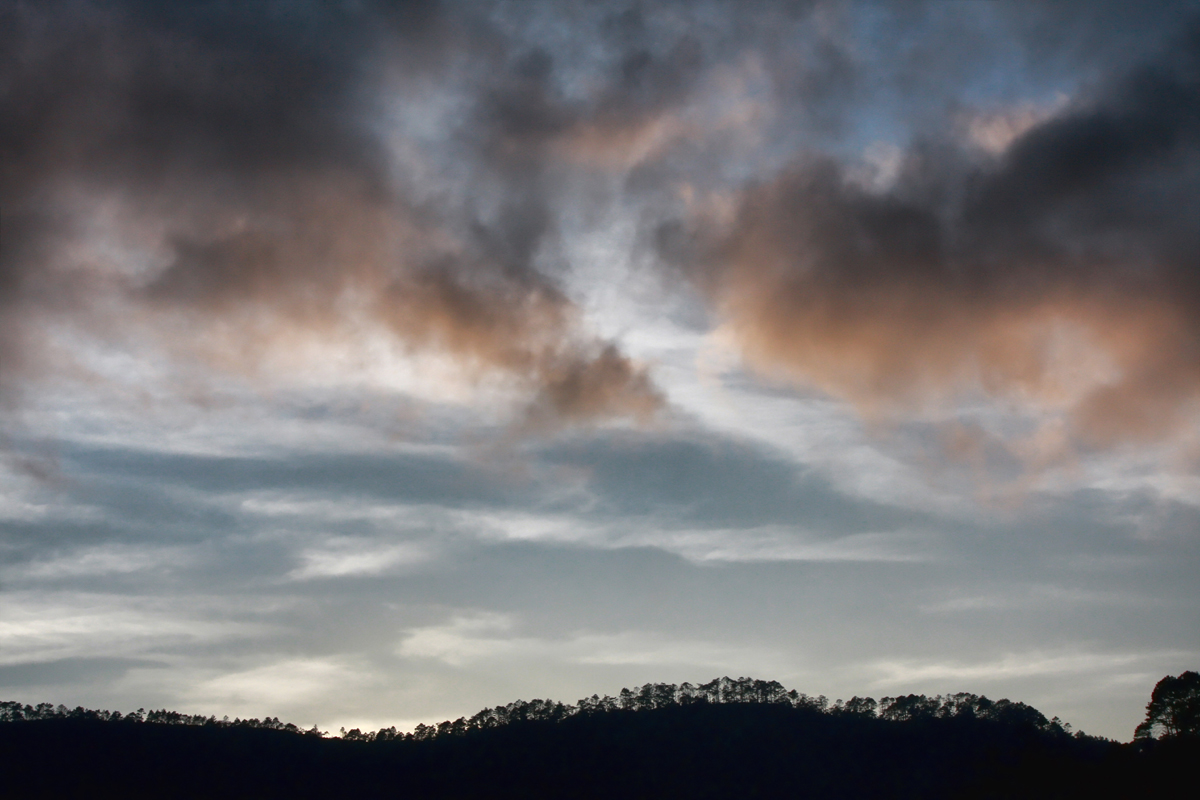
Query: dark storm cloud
{"points": [[231, 148], [965, 270]]}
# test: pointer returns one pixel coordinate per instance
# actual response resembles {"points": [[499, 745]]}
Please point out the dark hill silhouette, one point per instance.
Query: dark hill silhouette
{"points": [[723, 739]]}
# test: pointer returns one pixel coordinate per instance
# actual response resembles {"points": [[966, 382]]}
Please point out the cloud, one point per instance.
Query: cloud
{"points": [[1035, 596], [468, 639], [995, 130], [47, 626], [264, 186], [286, 683], [1059, 273], [209, 181], [69, 671], [108, 559], [1009, 666], [464, 639], [341, 556]]}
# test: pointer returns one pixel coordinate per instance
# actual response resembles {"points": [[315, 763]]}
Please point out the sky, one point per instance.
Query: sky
{"points": [[369, 363]]}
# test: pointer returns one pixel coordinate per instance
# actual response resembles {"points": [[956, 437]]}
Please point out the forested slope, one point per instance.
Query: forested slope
{"points": [[731, 739]]}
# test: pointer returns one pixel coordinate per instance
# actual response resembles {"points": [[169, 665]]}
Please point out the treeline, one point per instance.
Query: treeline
{"points": [[15, 712], [729, 690], [649, 697], [721, 739]]}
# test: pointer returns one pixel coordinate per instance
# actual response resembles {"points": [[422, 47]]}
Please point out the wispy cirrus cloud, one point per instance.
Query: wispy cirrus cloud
{"points": [[469, 639]]}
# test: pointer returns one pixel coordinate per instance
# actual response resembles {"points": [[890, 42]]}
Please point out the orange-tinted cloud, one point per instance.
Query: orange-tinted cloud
{"points": [[1063, 272], [237, 149]]}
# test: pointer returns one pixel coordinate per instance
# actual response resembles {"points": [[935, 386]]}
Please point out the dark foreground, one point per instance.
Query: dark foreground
{"points": [[734, 750]]}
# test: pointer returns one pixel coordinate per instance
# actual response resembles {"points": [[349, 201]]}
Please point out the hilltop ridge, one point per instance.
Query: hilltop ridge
{"points": [[725, 738]]}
